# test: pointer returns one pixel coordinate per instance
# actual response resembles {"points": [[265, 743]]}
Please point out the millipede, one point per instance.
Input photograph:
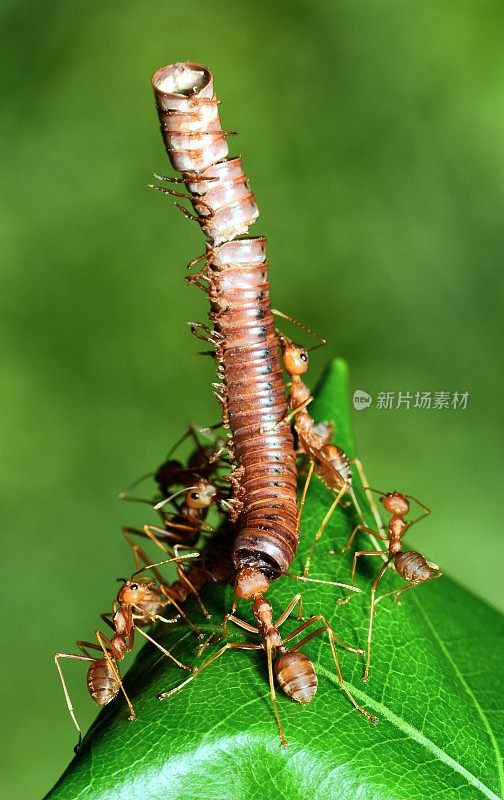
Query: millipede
{"points": [[250, 388], [250, 384]]}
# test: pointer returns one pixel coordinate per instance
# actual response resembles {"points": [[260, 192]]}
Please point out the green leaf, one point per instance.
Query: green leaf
{"points": [[435, 682]]}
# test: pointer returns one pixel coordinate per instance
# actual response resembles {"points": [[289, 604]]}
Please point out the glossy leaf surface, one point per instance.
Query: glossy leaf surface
{"points": [[435, 682]]}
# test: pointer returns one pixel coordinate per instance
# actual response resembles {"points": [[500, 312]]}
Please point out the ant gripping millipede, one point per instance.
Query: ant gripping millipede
{"points": [[204, 461], [293, 670], [136, 604], [329, 460], [409, 564]]}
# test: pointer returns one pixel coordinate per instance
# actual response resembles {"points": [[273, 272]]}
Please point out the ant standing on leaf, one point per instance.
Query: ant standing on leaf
{"points": [[409, 564], [136, 604], [293, 670]]}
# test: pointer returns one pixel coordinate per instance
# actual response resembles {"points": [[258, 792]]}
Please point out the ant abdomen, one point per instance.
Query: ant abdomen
{"points": [[412, 566], [296, 676], [102, 682]]}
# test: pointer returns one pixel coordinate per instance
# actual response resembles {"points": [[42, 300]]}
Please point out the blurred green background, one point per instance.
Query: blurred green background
{"points": [[372, 135]]}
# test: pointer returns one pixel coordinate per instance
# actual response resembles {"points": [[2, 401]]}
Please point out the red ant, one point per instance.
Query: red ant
{"points": [[137, 603], [292, 669], [409, 564], [329, 460]]}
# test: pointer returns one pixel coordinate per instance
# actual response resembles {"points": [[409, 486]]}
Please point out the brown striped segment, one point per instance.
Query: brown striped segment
{"points": [[412, 566], [249, 357], [102, 682], [296, 676]]}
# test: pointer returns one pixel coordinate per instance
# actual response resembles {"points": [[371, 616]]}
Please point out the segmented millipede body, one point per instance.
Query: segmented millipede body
{"points": [[251, 388]]}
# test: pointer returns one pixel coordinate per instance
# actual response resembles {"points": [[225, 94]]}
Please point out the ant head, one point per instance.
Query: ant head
{"points": [[132, 592], [295, 358], [395, 503], [250, 583], [200, 495]]}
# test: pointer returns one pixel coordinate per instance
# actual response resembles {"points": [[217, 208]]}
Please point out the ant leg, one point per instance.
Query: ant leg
{"points": [[221, 627], [160, 647], [305, 490], [322, 528], [107, 618], [354, 589], [369, 495], [360, 553], [227, 646], [246, 626], [76, 657], [372, 535], [287, 417], [297, 600], [140, 555], [397, 592], [165, 590], [316, 618], [343, 600], [301, 325], [283, 740], [137, 532], [332, 639], [101, 639], [184, 579], [350, 539], [376, 581]]}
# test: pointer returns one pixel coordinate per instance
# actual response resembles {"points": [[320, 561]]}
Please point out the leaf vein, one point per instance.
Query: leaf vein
{"points": [[415, 734], [481, 713]]}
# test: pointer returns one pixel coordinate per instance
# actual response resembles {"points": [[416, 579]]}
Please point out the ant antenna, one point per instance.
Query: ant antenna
{"points": [[165, 561], [175, 494], [303, 327]]}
